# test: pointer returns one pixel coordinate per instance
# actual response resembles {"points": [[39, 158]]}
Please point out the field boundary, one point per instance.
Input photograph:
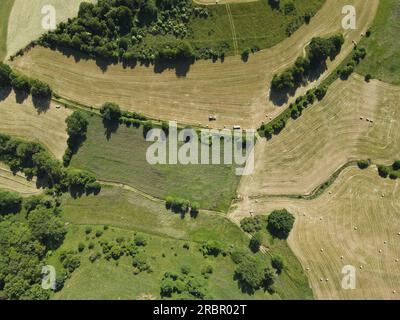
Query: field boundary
{"points": [[234, 37]]}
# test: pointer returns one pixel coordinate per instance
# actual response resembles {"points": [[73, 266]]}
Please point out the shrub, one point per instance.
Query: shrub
{"points": [[140, 240], [396, 165], [99, 233], [185, 269], [88, 230], [212, 248], [368, 77], [21, 83], [253, 224], [383, 171], [253, 274], [363, 164], [5, 72], [81, 247], [277, 263], [93, 256], [280, 223], [255, 242]]}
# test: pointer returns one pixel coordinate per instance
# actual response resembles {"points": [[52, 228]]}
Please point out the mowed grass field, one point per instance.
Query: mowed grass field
{"points": [[354, 223], [5, 9], [25, 23], [127, 212], [17, 182], [249, 24], [21, 119], [234, 91], [122, 159], [327, 136], [383, 47]]}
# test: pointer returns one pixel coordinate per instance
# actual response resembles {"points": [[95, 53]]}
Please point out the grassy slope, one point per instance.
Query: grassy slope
{"points": [[383, 47], [123, 159], [5, 9], [249, 20], [129, 212]]}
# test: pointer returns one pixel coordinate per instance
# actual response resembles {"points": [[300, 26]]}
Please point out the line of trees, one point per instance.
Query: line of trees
{"points": [[318, 51], [23, 84], [33, 160], [182, 206]]}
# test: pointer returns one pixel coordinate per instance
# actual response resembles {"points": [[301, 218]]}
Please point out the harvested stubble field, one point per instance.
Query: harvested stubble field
{"points": [[5, 9], [22, 119], [209, 88], [355, 219], [17, 182], [25, 21], [328, 135]]}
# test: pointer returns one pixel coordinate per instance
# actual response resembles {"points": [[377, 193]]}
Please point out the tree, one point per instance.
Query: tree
{"points": [[396, 165], [76, 125], [21, 83], [40, 90], [363, 164], [280, 223], [383, 171], [47, 227], [10, 202], [110, 111], [253, 274]]}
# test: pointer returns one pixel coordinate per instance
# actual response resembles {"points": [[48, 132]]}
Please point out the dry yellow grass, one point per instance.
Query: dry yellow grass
{"points": [[23, 120], [17, 182], [352, 221], [305, 155], [327, 136], [236, 92], [26, 17]]}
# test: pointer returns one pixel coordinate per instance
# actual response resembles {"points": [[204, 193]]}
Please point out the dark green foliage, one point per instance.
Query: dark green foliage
{"points": [[70, 260], [396, 165], [318, 51], [253, 224], [255, 242], [10, 202], [383, 171], [212, 248], [76, 128], [363, 164], [280, 223], [20, 83], [253, 274], [278, 263], [110, 111], [179, 205], [183, 287], [41, 90], [140, 263], [46, 227], [140, 240]]}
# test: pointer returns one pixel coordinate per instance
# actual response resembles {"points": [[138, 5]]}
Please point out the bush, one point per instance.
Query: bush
{"points": [[255, 242], [368, 77], [363, 164], [185, 269], [383, 171], [280, 223], [88, 230], [140, 240], [81, 247], [21, 83], [396, 165], [253, 274], [277, 263], [212, 248], [99, 233], [253, 224]]}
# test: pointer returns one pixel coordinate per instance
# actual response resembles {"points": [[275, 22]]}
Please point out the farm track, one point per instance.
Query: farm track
{"points": [[234, 37]]}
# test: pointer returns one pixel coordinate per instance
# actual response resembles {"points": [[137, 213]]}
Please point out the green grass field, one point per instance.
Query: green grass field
{"points": [[5, 9], [383, 47], [127, 212], [249, 21], [122, 159]]}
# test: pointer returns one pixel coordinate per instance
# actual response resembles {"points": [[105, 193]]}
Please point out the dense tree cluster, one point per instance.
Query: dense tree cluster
{"points": [[356, 57], [318, 51], [10, 202], [183, 286], [116, 29], [33, 160], [280, 223], [24, 243], [253, 224]]}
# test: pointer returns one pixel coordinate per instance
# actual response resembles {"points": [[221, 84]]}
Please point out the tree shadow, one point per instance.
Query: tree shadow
{"points": [[21, 96], [41, 104], [4, 93], [181, 66], [243, 285], [110, 127]]}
